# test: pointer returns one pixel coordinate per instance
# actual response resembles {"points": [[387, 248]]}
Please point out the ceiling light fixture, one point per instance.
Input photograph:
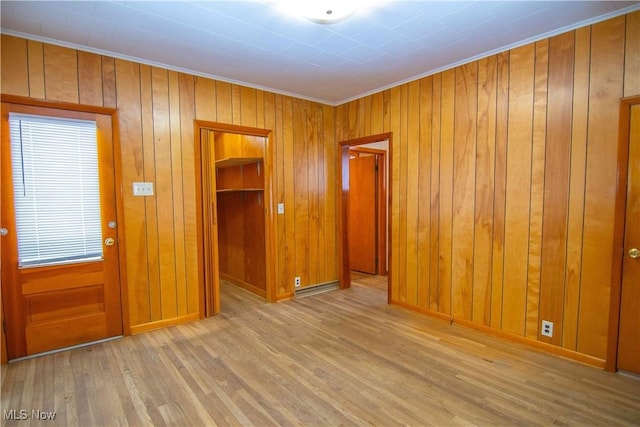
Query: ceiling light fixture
{"points": [[322, 11]]}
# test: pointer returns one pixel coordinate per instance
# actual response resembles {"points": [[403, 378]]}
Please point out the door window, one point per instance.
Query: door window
{"points": [[56, 189]]}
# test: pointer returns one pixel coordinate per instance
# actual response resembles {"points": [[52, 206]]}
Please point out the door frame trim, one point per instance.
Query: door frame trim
{"points": [[611, 362], [117, 165], [211, 306], [344, 273]]}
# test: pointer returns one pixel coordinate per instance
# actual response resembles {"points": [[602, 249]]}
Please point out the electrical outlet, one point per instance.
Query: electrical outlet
{"points": [[297, 281], [547, 328]]}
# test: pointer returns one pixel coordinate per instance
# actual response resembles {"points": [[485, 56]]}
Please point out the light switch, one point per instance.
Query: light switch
{"points": [[280, 208], [143, 188]]}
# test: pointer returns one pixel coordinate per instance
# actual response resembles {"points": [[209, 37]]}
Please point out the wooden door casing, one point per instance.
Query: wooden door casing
{"points": [[57, 306], [629, 335]]}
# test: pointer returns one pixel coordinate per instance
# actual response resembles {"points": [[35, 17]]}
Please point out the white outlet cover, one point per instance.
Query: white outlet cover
{"points": [[143, 188], [547, 329]]}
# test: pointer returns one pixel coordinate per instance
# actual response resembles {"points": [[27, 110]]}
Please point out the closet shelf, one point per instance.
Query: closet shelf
{"points": [[229, 190], [236, 161]]}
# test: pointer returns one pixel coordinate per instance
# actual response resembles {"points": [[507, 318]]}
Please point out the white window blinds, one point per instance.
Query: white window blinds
{"points": [[56, 189]]}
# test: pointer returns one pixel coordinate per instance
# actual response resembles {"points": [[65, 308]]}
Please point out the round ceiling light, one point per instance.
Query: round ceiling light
{"points": [[322, 11]]}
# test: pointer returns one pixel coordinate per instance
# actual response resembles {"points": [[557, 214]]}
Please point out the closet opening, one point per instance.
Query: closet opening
{"points": [[235, 216]]}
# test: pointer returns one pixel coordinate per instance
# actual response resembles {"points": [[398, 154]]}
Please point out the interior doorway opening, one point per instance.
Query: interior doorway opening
{"points": [[364, 203], [368, 208], [235, 216]]}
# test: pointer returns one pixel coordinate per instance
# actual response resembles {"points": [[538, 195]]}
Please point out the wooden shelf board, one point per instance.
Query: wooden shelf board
{"points": [[236, 161], [229, 190]]}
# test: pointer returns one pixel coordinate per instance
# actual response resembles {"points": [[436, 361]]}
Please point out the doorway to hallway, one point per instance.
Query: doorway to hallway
{"points": [[367, 210], [364, 196]]}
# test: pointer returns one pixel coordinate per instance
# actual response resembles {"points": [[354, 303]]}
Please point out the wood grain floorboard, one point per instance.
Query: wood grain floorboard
{"points": [[337, 358]]}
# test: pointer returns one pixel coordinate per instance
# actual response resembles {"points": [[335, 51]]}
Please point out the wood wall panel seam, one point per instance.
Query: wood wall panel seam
{"points": [[464, 184], [424, 195], [177, 193], [485, 191], [575, 219], [607, 72], [538, 185], [435, 194], [35, 70], [129, 107], [502, 113], [557, 175]]}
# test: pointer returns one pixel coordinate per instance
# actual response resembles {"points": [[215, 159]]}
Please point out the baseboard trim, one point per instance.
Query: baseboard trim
{"points": [[285, 297], [159, 324], [248, 286], [538, 345]]}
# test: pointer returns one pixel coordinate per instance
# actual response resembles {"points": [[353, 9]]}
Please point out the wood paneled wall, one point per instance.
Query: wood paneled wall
{"points": [[503, 179], [503, 183], [241, 238], [156, 109]]}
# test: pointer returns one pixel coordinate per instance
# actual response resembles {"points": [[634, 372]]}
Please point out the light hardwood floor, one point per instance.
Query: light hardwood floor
{"points": [[337, 358]]}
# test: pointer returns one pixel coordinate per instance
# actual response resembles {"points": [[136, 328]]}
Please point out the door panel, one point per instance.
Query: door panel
{"points": [[629, 334], [362, 214], [3, 338], [56, 306]]}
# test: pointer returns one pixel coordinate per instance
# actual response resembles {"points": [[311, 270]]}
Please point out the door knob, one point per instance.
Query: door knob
{"points": [[634, 253], [3, 231], [109, 241]]}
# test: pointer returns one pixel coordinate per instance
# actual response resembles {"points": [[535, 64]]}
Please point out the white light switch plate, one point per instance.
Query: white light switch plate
{"points": [[280, 208], [143, 188]]}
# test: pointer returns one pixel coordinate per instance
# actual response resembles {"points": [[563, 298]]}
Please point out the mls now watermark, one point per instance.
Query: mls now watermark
{"points": [[34, 414]]}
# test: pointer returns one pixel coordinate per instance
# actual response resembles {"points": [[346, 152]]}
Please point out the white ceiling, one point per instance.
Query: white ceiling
{"points": [[253, 43]]}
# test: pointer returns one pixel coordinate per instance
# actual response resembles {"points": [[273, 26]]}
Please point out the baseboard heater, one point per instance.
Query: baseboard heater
{"points": [[316, 289]]}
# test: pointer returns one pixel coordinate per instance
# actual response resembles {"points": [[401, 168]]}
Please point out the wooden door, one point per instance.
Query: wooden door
{"points": [[60, 304], [363, 214], [629, 333], [3, 338]]}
